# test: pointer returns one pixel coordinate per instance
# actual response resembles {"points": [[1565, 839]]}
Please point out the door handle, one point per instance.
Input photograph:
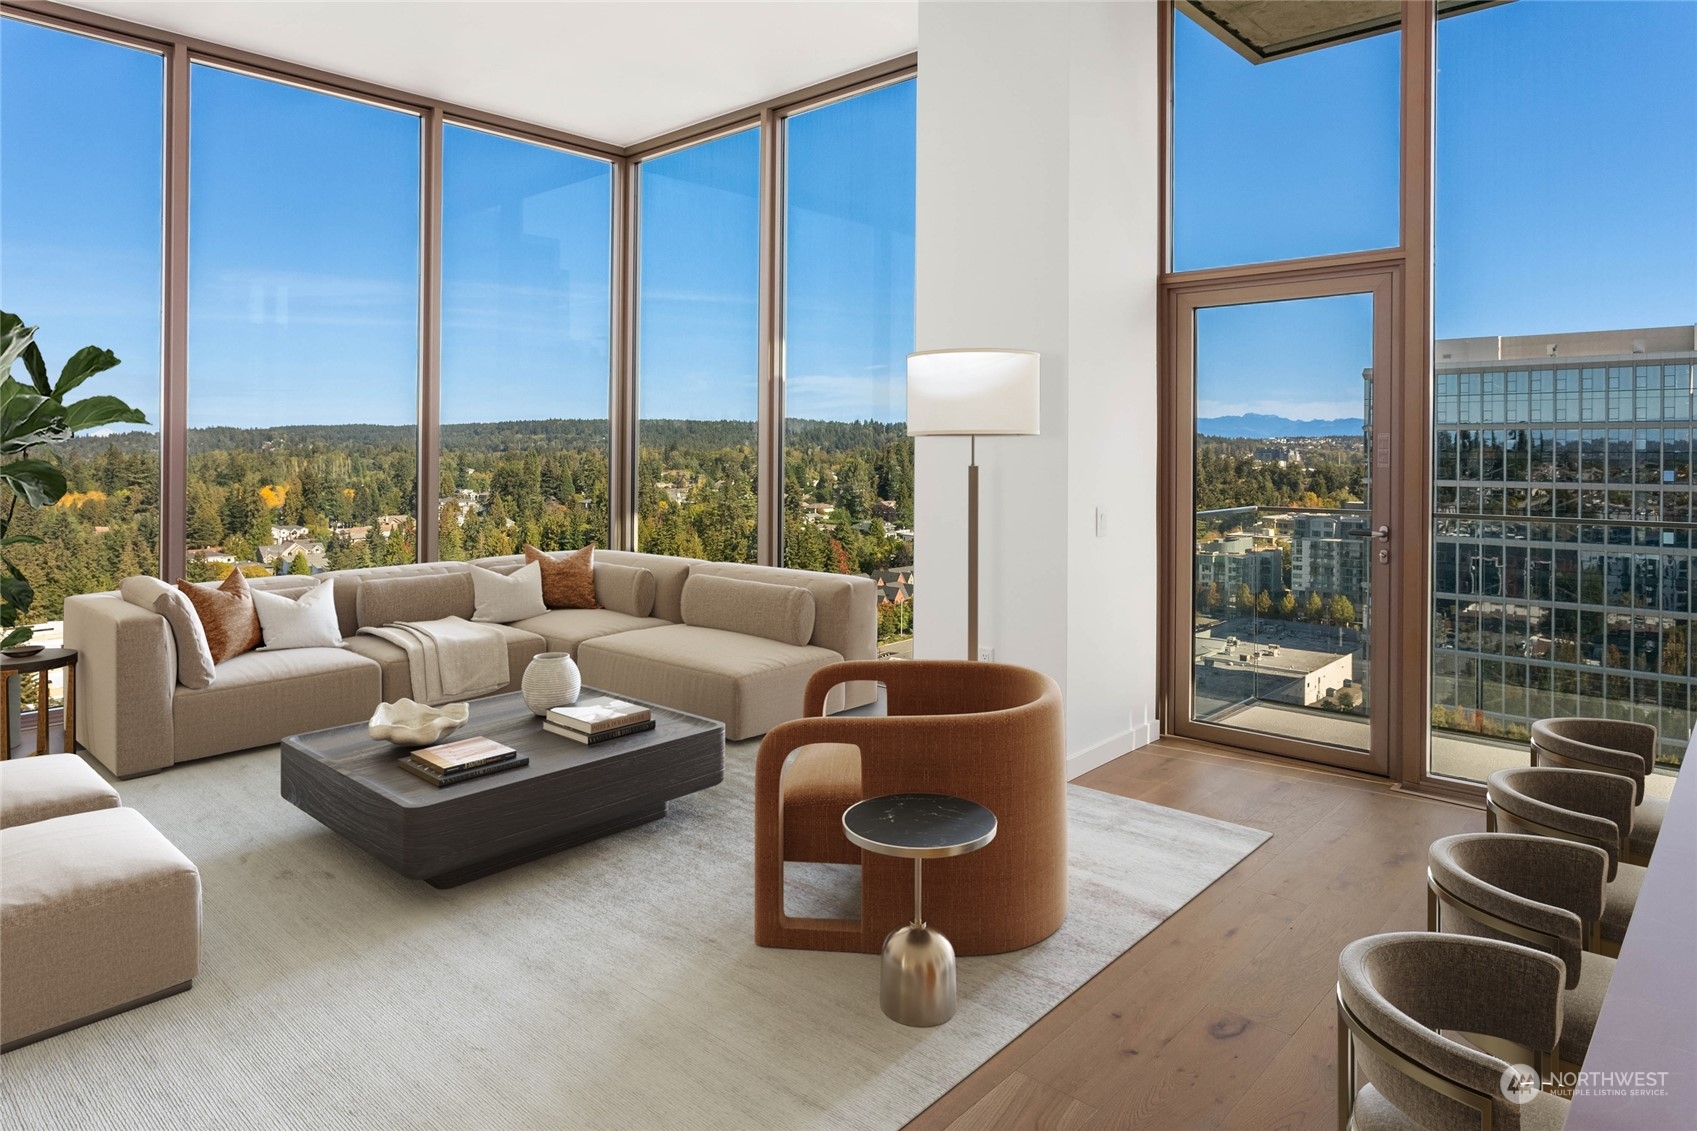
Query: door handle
{"points": [[1382, 534]]}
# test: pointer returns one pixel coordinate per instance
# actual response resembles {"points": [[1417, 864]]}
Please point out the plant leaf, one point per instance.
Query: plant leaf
{"points": [[36, 366], [93, 412], [15, 337], [23, 540], [29, 418], [17, 636], [85, 363], [39, 482]]}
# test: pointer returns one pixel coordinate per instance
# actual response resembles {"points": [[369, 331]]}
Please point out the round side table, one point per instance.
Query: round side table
{"points": [[917, 983], [41, 663]]}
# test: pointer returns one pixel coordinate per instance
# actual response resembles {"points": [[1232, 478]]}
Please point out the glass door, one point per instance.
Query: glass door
{"points": [[1289, 538]]}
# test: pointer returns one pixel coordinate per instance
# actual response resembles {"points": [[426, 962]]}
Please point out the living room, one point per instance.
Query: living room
{"points": [[1293, 438]]}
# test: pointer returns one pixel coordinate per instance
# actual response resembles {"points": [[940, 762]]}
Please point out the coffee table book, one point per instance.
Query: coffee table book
{"points": [[463, 753], [591, 738], [598, 713], [451, 777]]}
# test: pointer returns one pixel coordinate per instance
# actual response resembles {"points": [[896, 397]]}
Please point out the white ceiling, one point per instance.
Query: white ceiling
{"points": [[615, 72]]}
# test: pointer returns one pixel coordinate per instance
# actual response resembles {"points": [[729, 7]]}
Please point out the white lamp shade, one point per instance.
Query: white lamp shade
{"points": [[972, 392]]}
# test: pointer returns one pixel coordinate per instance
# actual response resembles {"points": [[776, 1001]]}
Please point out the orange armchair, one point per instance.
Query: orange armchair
{"points": [[991, 733]]}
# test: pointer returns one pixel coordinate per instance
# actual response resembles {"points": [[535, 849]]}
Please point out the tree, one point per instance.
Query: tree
{"points": [[1245, 599], [1313, 609], [1287, 606], [1264, 604], [300, 565], [1341, 611]]}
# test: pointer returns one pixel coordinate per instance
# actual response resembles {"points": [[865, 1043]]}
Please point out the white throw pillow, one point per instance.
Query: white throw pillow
{"points": [[505, 599], [309, 622]]}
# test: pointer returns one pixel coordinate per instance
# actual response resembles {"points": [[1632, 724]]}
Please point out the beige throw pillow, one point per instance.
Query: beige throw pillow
{"points": [[503, 600], [568, 580], [194, 655], [226, 616], [625, 589]]}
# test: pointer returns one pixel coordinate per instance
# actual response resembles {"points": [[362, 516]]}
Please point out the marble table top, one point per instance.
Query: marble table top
{"points": [[923, 825]]}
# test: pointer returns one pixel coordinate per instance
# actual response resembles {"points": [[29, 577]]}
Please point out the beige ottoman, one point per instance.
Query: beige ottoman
{"points": [[52, 785], [99, 913]]}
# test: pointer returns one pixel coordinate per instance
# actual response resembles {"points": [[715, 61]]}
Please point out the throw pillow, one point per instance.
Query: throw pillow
{"points": [[755, 608], [568, 581], [503, 600], [226, 616], [305, 622], [194, 656]]}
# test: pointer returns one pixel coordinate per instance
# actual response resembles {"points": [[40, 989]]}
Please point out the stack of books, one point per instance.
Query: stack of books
{"points": [[597, 718], [468, 758]]}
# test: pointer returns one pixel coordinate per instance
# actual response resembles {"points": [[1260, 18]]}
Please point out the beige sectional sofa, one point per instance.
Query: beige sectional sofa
{"points": [[739, 654]]}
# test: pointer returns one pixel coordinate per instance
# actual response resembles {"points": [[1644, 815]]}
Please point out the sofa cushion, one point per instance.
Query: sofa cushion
{"points": [[749, 683], [226, 616], [195, 665], [568, 577], [566, 629], [625, 589], [261, 697], [350, 581], [522, 647], [778, 612], [52, 785], [669, 576], [421, 596]]}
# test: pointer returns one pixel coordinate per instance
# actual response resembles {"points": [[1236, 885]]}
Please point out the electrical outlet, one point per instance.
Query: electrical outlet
{"points": [[1101, 523], [987, 655]]}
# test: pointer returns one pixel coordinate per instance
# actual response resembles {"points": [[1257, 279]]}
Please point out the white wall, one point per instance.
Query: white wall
{"points": [[1037, 227]]}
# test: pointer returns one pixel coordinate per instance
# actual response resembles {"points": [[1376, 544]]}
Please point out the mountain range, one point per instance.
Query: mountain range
{"points": [[1260, 426]]}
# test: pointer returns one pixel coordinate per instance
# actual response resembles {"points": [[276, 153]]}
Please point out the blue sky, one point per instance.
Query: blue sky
{"points": [[1567, 164], [304, 254], [1566, 175]]}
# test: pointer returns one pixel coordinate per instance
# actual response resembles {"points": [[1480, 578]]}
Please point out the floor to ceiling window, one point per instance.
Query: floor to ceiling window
{"points": [[847, 330], [698, 349], [304, 231], [1545, 563], [1565, 294], [527, 235], [81, 221], [1280, 387]]}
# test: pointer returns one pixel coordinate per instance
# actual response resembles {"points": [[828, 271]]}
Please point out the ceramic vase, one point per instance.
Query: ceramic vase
{"points": [[551, 680]]}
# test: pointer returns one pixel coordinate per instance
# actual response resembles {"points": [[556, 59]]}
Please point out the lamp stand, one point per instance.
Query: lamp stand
{"points": [[972, 553]]}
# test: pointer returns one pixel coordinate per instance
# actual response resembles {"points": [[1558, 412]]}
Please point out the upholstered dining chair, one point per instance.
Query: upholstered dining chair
{"points": [[1611, 746], [1539, 892], [1577, 805], [991, 733], [1398, 993]]}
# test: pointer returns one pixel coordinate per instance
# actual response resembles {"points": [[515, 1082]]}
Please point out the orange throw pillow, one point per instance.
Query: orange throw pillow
{"points": [[568, 582], [227, 615]]}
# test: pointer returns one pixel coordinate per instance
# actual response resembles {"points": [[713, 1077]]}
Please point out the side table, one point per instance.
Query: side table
{"points": [[47, 660], [917, 981]]}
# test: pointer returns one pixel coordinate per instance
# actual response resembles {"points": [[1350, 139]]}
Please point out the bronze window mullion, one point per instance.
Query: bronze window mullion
{"points": [[174, 348], [429, 333]]}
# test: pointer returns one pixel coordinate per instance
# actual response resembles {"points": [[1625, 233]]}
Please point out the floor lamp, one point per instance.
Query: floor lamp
{"points": [[972, 392]]}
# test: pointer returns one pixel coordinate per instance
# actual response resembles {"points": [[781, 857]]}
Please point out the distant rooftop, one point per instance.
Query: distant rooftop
{"points": [[1450, 352]]}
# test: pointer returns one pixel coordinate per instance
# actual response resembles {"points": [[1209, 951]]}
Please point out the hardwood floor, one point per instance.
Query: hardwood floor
{"points": [[1224, 1015]]}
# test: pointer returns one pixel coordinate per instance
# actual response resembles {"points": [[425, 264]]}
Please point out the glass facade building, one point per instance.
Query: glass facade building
{"points": [[1563, 535]]}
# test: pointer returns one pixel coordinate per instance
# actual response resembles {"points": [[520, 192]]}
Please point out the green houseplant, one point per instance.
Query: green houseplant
{"points": [[38, 416]]}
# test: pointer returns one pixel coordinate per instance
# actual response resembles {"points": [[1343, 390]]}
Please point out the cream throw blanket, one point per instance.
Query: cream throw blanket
{"points": [[451, 659]]}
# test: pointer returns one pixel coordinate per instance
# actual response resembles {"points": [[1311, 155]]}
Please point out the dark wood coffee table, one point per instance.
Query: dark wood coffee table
{"points": [[568, 794]]}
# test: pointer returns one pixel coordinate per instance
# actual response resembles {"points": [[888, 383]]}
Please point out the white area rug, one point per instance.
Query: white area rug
{"points": [[616, 984]]}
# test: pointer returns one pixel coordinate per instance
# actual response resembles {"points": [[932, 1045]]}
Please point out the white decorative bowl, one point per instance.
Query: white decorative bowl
{"points": [[406, 723]]}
